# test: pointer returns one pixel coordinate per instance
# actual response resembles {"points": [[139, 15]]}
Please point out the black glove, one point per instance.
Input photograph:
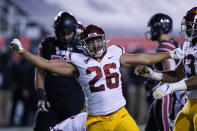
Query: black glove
{"points": [[43, 103]]}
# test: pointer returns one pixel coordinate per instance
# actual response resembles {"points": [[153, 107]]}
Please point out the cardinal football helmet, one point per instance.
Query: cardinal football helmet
{"points": [[159, 24], [93, 32], [189, 25]]}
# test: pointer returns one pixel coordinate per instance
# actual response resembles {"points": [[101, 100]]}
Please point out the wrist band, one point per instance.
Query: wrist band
{"points": [[180, 86], [41, 95], [156, 75]]}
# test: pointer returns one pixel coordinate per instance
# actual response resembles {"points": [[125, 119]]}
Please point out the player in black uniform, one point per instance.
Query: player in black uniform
{"points": [[59, 97], [162, 112]]}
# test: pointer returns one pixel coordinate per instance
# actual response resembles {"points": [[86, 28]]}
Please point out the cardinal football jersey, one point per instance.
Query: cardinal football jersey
{"points": [[190, 64], [100, 80]]}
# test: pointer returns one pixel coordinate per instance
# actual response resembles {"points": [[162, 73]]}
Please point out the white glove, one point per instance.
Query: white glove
{"points": [[177, 53], [148, 72], [16, 46], [167, 89]]}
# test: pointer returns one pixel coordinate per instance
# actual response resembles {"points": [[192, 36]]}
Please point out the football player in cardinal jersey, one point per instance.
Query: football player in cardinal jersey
{"points": [[59, 97], [184, 75], [162, 112], [98, 72]]}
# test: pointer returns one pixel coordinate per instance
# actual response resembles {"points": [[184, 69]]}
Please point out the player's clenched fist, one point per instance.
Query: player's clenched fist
{"points": [[148, 72], [143, 70], [16, 46]]}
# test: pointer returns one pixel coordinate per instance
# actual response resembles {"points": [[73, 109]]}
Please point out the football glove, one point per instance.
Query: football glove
{"points": [[43, 103], [177, 54], [16, 46], [148, 72], [167, 89]]}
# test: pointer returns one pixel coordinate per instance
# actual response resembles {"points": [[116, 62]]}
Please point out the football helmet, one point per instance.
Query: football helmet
{"points": [[159, 24], [64, 24], [189, 25], [91, 33]]}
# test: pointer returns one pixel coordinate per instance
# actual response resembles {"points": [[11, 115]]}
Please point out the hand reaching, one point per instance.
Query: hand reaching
{"points": [[16, 46], [167, 89], [162, 91], [177, 54]]}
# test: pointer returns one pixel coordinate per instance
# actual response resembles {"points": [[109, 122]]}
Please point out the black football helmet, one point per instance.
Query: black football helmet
{"points": [[93, 32], [159, 24], [189, 25], [64, 24]]}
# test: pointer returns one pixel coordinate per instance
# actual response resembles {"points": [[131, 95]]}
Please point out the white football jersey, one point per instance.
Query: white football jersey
{"points": [[100, 80], [190, 64], [74, 123]]}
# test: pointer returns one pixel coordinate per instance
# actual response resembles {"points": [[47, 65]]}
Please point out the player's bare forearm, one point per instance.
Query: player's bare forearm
{"points": [[191, 83], [128, 60], [171, 76], [58, 67], [175, 75], [35, 60], [39, 78], [152, 58]]}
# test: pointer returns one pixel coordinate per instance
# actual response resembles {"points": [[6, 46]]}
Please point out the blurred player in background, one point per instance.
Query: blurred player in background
{"points": [[162, 113], [98, 72], [59, 97], [184, 75]]}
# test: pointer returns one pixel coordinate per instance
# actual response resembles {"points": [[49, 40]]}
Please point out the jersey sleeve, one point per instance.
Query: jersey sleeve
{"points": [[74, 58], [166, 46], [119, 49], [42, 45]]}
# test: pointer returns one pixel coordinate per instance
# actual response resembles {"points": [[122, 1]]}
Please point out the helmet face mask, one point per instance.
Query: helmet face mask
{"points": [[153, 34], [189, 25], [93, 41], [65, 37], [159, 24]]}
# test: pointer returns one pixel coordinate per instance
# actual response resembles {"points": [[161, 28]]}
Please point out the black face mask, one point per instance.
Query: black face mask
{"points": [[154, 35], [61, 38]]}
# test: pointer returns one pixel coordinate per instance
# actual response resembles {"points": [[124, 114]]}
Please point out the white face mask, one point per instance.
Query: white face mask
{"points": [[188, 29]]}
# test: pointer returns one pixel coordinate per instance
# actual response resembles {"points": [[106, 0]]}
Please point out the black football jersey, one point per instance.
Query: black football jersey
{"points": [[60, 89]]}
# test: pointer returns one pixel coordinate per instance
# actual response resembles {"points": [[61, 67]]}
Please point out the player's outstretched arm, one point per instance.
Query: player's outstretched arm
{"points": [[191, 83], [165, 76], [182, 85], [128, 60], [167, 89], [58, 67]]}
